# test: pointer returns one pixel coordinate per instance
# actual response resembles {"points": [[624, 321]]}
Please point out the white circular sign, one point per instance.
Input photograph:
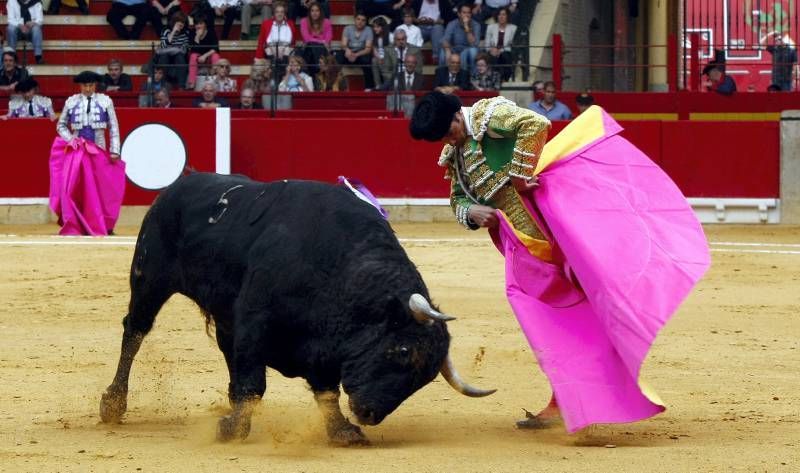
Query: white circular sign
{"points": [[154, 156]]}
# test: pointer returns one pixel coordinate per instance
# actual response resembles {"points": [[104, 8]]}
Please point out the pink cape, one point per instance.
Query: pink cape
{"points": [[86, 188], [621, 227]]}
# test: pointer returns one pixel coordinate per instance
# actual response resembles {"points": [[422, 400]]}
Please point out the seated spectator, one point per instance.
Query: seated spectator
{"points": [[162, 99], [262, 8], [380, 43], [115, 80], [208, 97], [203, 49], [295, 79], [393, 59], [387, 8], [484, 78], [317, 33], [202, 9], [584, 101], [139, 9], [55, 6], [357, 43], [302, 8], [432, 16], [25, 19], [229, 10], [330, 77], [499, 38], [462, 36], [413, 33], [451, 78], [29, 104], [774, 88], [151, 86], [538, 89], [166, 8], [12, 73], [719, 82], [221, 80], [549, 106], [173, 49], [157, 82], [277, 37], [410, 78], [485, 9], [247, 100], [260, 80]]}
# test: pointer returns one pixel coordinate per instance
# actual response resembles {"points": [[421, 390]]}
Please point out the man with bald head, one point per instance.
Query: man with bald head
{"points": [[162, 99], [452, 77], [394, 59], [208, 97]]}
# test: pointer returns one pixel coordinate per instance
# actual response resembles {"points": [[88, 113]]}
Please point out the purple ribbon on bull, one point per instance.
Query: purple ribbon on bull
{"points": [[361, 191]]}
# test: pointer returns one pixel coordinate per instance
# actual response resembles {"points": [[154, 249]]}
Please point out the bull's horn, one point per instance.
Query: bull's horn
{"points": [[451, 375], [423, 312]]}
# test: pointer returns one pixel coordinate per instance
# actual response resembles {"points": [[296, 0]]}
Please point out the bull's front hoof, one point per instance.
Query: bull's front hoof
{"points": [[348, 436], [232, 427], [113, 406]]}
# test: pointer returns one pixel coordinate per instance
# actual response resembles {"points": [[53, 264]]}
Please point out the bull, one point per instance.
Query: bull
{"points": [[303, 277]]}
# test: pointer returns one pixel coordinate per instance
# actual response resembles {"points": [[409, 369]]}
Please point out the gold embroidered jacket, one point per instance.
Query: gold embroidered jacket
{"points": [[505, 141]]}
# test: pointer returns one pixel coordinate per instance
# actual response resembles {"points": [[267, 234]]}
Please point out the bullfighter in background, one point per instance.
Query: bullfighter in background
{"points": [[87, 177], [600, 245]]}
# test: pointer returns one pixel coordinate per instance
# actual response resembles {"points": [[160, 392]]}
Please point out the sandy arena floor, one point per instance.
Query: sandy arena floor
{"points": [[727, 365]]}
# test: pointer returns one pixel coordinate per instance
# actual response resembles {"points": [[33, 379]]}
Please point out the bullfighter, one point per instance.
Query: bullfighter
{"points": [[600, 245]]}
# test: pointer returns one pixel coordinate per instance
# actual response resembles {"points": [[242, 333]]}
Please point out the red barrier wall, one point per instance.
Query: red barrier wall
{"points": [[706, 159], [26, 172], [379, 152]]}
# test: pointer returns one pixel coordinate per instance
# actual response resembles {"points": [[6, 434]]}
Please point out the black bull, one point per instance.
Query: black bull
{"points": [[303, 277]]}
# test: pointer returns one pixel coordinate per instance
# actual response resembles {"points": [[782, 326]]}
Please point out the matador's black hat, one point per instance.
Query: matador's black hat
{"points": [[87, 77], [433, 115], [26, 85]]}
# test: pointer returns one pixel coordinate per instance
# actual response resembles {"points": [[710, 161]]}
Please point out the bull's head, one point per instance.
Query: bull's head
{"points": [[408, 355]]}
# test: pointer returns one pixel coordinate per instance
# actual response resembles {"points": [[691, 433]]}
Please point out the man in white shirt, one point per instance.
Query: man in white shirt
{"points": [[25, 18], [413, 33], [432, 16]]}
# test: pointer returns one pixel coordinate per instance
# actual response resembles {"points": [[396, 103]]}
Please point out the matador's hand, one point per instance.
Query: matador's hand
{"points": [[114, 157], [483, 216], [524, 185]]}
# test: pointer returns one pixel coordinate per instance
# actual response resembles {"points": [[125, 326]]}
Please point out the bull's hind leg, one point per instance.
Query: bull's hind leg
{"points": [[248, 372], [146, 301], [340, 430]]}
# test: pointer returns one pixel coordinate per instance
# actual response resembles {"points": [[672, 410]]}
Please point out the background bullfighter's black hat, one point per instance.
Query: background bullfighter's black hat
{"points": [[433, 115], [26, 85], [87, 77]]}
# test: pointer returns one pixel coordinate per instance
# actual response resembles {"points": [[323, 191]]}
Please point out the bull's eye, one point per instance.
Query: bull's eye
{"points": [[400, 354]]}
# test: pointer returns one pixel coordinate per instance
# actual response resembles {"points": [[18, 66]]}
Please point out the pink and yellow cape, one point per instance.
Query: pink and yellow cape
{"points": [[86, 187], [624, 249]]}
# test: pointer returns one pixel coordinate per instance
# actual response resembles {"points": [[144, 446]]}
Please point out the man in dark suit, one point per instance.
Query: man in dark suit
{"points": [[395, 57], [410, 78], [451, 78]]}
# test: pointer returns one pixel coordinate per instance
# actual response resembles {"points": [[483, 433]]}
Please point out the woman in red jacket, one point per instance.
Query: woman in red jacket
{"points": [[277, 37]]}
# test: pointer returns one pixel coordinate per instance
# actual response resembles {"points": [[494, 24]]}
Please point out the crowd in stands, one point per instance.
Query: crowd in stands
{"points": [[295, 44], [471, 47]]}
